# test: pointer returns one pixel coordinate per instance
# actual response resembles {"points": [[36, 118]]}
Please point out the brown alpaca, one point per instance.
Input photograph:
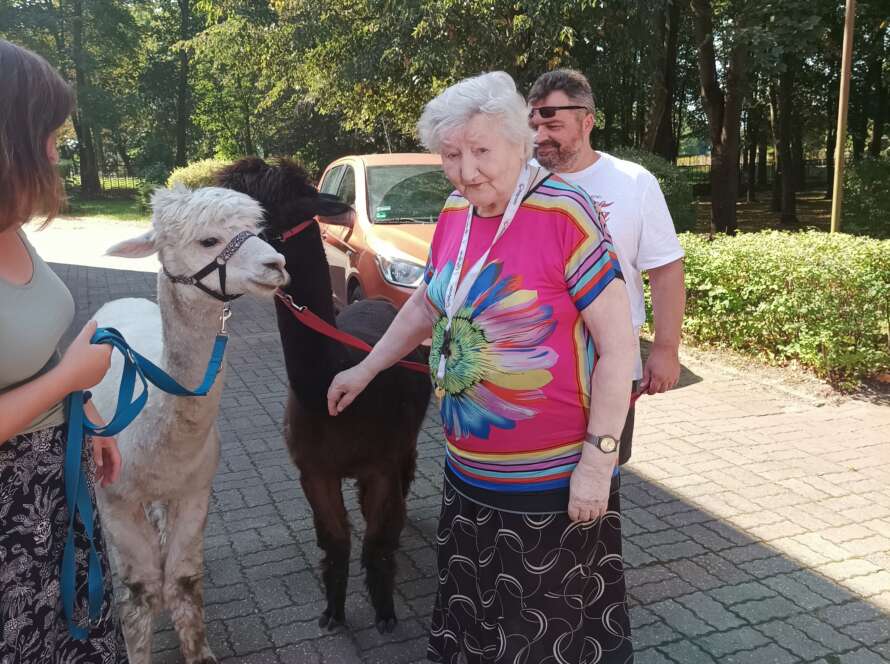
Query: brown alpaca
{"points": [[375, 439]]}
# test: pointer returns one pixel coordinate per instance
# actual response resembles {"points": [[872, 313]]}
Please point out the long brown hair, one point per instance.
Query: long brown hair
{"points": [[34, 103]]}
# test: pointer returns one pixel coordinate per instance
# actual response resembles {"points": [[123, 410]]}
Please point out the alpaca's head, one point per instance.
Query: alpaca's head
{"points": [[190, 229], [285, 192]]}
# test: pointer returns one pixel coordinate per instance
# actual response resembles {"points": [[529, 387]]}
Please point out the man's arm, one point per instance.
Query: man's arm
{"points": [[662, 370]]}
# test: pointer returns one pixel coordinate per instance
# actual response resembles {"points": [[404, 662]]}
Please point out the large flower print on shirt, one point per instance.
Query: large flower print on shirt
{"points": [[497, 364]]}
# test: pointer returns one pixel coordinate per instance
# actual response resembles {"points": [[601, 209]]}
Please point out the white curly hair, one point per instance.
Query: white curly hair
{"points": [[493, 93]]}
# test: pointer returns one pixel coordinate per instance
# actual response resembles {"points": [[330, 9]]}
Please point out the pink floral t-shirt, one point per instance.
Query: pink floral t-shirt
{"points": [[517, 385]]}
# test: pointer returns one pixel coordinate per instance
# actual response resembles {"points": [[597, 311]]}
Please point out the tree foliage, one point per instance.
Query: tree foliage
{"points": [[165, 82]]}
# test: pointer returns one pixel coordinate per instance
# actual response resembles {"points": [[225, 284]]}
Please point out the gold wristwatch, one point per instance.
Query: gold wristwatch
{"points": [[605, 444]]}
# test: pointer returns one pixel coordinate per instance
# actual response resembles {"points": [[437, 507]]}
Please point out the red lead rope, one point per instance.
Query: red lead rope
{"points": [[321, 326], [296, 230]]}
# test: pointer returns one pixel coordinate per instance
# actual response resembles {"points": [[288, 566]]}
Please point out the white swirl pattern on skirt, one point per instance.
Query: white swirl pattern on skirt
{"points": [[529, 589]]}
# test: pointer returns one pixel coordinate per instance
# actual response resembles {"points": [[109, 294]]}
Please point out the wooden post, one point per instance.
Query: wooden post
{"points": [[843, 105]]}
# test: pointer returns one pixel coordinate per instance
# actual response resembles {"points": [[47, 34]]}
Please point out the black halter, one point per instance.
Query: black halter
{"points": [[218, 263]]}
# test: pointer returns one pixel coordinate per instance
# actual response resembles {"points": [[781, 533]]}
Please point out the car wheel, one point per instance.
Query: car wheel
{"points": [[356, 293]]}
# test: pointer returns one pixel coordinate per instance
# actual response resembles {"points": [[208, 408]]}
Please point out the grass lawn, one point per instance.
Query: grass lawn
{"points": [[120, 205]]}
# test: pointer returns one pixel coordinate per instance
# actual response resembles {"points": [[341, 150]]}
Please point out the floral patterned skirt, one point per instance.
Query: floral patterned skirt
{"points": [[33, 527], [529, 588]]}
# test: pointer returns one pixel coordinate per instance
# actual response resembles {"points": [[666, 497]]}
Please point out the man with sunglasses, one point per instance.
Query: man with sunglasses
{"points": [[636, 215]]}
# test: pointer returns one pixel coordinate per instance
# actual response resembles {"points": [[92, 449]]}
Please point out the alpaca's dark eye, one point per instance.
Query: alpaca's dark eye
{"points": [[209, 242]]}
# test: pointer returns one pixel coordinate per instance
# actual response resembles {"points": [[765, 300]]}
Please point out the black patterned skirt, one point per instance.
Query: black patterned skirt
{"points": [[529, 588], [33, 527]]}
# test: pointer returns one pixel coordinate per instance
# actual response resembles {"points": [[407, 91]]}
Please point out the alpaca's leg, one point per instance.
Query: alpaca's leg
{"points": [[332, 530], [184, 574], [408, 466], [383, 506], [138, 557]]}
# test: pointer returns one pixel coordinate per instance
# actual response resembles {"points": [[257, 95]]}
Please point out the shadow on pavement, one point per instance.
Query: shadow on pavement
{"points": [[700, 589]]}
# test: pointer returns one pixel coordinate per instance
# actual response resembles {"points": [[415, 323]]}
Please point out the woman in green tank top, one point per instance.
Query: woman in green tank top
{"points": [[35, 310]]}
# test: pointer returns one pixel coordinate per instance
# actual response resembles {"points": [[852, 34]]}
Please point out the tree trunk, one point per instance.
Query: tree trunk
{"points": [[877, 134], [121, 147], [89, 169], [880, 109], [776, 201], [830, 144], [786, 129], [800, 167], [659, 134], [660, 93], [724, 117], [182, 89], [751, 153], [101, 161], [677, 131], [724, 189], [762, 140]]}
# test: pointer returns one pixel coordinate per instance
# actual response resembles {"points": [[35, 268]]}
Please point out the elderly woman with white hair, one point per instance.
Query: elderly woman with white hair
{"points": [[532, 359]]}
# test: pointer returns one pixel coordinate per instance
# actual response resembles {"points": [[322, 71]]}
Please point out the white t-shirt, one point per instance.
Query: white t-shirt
{"points": [[638, 220]]}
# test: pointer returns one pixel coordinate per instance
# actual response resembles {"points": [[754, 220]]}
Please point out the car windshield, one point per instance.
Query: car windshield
{"points": [[406, 194]]}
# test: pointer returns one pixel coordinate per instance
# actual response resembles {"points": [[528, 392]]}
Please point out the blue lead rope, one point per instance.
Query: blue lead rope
{"points": [[76, 488]]}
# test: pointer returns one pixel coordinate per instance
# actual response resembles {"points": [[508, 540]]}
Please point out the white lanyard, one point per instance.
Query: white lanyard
{"points": [[455, 295]]}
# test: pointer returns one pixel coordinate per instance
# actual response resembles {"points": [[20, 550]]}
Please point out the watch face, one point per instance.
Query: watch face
{"points": [[608, 444]]}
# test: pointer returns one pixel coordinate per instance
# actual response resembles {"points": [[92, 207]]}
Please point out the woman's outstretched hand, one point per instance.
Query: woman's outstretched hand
{"points": [[346, 386]]}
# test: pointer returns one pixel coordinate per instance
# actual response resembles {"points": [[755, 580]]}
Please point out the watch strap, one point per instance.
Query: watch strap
{"points": [[596, 441]]}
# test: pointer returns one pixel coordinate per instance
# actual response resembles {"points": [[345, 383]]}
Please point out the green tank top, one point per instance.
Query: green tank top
{"points": [[33, 318]]}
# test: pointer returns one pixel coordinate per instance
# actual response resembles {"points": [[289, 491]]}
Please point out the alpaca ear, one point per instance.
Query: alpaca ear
{"points": [[331, 210], [328, 205], [346, 219], [136, 247]]}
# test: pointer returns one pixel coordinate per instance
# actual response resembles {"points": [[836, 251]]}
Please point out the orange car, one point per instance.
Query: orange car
{"points": [[397, 200]]}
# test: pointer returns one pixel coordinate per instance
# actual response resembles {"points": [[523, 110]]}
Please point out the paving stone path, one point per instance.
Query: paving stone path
{"points": [[756, 522]]}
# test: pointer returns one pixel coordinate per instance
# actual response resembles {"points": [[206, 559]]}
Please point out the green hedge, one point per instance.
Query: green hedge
{"points": [[151, 177], [867, 198], [197, 174], [817, 299], [674, 183]]}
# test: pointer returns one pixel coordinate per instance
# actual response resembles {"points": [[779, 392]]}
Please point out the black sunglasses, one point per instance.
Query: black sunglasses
{"points": [[550, 111]]}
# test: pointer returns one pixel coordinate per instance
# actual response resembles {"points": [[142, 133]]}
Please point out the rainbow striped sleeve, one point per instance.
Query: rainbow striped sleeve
{"points": [[591, 261]]}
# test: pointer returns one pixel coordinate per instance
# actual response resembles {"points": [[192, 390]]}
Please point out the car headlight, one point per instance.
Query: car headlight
{"points": [[399, 272]]}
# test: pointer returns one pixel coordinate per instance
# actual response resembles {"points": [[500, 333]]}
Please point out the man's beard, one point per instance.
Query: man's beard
{"points": [[557, 157]]}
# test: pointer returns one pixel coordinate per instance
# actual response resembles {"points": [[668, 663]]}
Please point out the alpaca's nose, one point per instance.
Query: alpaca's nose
{"points": [[276, 263]]}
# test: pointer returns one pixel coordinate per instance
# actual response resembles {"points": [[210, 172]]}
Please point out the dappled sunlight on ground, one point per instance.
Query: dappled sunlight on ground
{"points": [[813, 211], [84, 240]]}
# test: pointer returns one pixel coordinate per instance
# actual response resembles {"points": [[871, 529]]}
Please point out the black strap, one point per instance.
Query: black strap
{"points": [[217, 264]]}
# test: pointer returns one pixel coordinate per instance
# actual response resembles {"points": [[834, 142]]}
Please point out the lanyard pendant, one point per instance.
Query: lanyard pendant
{"points": [[445, 353]]}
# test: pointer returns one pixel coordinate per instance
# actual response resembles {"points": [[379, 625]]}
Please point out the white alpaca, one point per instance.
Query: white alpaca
{"points": [[171, 451]]}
